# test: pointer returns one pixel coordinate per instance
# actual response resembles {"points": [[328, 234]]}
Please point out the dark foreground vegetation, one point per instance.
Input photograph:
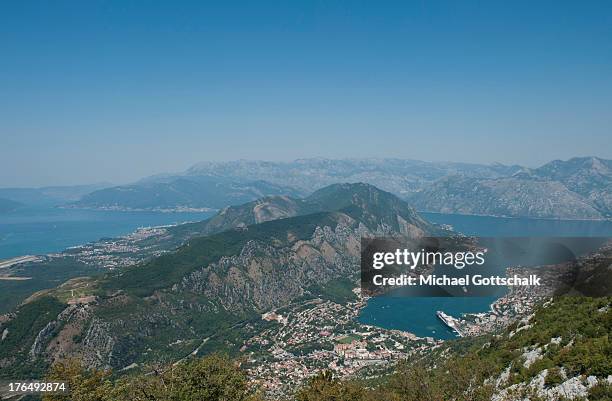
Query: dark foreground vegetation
{"points": [[460, 371]]}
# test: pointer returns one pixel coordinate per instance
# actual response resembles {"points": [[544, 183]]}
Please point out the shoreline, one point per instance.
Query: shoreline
{"points": [[609, 219], [4, 260], [138, 210], [210, 210]]}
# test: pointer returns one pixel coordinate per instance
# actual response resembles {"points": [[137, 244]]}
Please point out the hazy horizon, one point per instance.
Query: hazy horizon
{"points": [[178, 172], [113, 91]]}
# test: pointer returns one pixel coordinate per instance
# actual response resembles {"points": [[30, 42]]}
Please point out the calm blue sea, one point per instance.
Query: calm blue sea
{"points": [[484, 226], [45, 230], [418, 315]]}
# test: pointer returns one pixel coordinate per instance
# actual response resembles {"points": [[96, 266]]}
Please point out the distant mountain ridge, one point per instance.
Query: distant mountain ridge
{"points": [[591, 177], [580, 188], [509, 197], [49, 196], [202, 192], [397, 176], [218, 184]]}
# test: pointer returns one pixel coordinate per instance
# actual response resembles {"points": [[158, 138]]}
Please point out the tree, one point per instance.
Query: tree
{"points": [[324, 387], [413, 383], [83, 385], [214, 378]]}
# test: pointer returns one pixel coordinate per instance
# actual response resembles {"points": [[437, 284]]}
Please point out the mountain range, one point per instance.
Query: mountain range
{"points": [[580, 188], [216, 185], [239, 275], [201, 192], [398, 176], [247, 260]]}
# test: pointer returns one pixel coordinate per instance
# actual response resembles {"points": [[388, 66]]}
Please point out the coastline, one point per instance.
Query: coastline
{"points": [[187, 209], [150, 210], [561, 219], [53, 230]]}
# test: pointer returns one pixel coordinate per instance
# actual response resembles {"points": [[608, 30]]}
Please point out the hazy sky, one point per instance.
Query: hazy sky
{"points": [[116, 90]]}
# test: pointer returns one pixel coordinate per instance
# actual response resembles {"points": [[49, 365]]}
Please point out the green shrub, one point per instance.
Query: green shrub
{"points": [[553, 377]]}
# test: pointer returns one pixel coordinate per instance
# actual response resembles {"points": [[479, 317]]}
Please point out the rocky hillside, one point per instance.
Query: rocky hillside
{"points": [[579, 188], [208, 285], [146, 244], [560, 352]]}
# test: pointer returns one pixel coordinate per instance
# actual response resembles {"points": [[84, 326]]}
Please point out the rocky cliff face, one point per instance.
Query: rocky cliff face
{"points": [[263, 276]]}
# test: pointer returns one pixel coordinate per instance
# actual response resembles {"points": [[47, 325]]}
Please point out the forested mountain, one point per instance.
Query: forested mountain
{"points": [[210, 284]]}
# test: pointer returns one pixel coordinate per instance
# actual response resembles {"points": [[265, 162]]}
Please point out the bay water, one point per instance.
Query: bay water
{"points": [[418, 314], [36, 231]]}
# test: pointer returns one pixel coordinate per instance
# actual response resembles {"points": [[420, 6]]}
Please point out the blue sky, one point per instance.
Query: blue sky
{"points": [[116, 90]]}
